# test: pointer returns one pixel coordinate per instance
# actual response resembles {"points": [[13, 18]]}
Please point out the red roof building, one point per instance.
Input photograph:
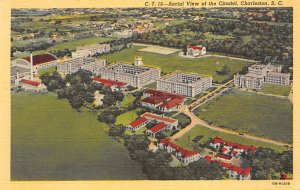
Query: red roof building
{"points": [[137, 124], [224, 156], [30, 82], [41, 59], [162, 101], [159, 118], [109, 83], [157, 128], [195, 47], [219, 140]]}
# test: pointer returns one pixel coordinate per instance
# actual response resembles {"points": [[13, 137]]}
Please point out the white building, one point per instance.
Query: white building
{"points": [[196, 50], [134, 75], [86, 63], [183, 155], [90, 50], [184, 83], [30, 85], [258, 75]]}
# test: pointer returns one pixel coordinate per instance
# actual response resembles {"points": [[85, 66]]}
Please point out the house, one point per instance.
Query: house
{"points": [[235, 172], [30, 85], [162, 101], [156, 129], [114, 85], [137, 124], [230, 148], [172, 124], [195, 51], [183, 155]]}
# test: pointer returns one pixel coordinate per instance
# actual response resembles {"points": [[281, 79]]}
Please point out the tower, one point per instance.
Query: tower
{"points": [[31, 66], [138, 61]]}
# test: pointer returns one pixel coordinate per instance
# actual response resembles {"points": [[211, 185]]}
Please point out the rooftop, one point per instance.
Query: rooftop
{"points": [[41, 58], [159, 118], [235, 145], [109, 83], [30, 82], [138, 122]]}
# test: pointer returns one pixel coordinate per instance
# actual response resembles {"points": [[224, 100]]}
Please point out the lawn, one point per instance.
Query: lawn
{"points": [[127, 118], [128, 99], [186, 140], [170, 63], [46, 70], [251, 113], [276, 89], [51, 141]]}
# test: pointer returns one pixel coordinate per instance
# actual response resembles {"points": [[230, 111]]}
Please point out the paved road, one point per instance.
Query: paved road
{"points": [[196, 121]]}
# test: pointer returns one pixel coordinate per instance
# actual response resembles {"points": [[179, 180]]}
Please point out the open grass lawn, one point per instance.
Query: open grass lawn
{"points": [[47, 70], [51, 141], [128, 99], [260, 115], [127, 118], [170, 63], [276, 89], [186, 140]]}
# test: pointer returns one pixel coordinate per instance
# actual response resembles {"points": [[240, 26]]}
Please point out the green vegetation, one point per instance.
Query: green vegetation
{"points": [[276, 89], [186, 140], [170, 63], [127, 117], [218, 37], [49, 70], [260, 115], [127, 101], [51, 141]]}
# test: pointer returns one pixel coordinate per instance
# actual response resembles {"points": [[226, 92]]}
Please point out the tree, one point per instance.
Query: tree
{"points": [[76, 101], [225, 70], [108, 100], [119, 96]]}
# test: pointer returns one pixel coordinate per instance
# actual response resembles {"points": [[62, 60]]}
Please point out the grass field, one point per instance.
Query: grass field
{"points": [[127, 117], [251, 113], [276, 89], [169, 63], [51, 141], [128, 99], [186, 140], [47, 70]]}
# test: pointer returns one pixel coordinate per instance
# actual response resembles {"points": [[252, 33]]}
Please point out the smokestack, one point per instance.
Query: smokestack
{"points": [[17, 80], [31, 66]]}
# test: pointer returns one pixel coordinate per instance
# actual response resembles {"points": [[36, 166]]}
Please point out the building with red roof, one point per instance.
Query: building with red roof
{"points": [[162, 101], [183, 155], [137, 124], [195, 50], [156, 129], [30, 85], [235, 149], [235, 172], [170, 122], [114, 85]]}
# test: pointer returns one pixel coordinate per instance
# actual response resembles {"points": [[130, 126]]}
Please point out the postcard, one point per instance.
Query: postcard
{"points": [[149, 94]]}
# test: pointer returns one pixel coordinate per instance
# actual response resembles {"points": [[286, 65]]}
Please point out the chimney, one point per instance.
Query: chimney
{"points": [[31, 66], [18, 78]]}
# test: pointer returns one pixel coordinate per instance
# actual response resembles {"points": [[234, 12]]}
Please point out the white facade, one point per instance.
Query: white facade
{"points": [[184, 84], [90, 50], [258, 75], [136, 76], [196, 50], [86, 63]]}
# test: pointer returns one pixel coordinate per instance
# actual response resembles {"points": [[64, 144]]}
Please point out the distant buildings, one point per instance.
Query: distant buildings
{"points": [[135, 75], [184, 83], [162, 101], [90, 50], [196, 50], [258, 75], [86, 63]]}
